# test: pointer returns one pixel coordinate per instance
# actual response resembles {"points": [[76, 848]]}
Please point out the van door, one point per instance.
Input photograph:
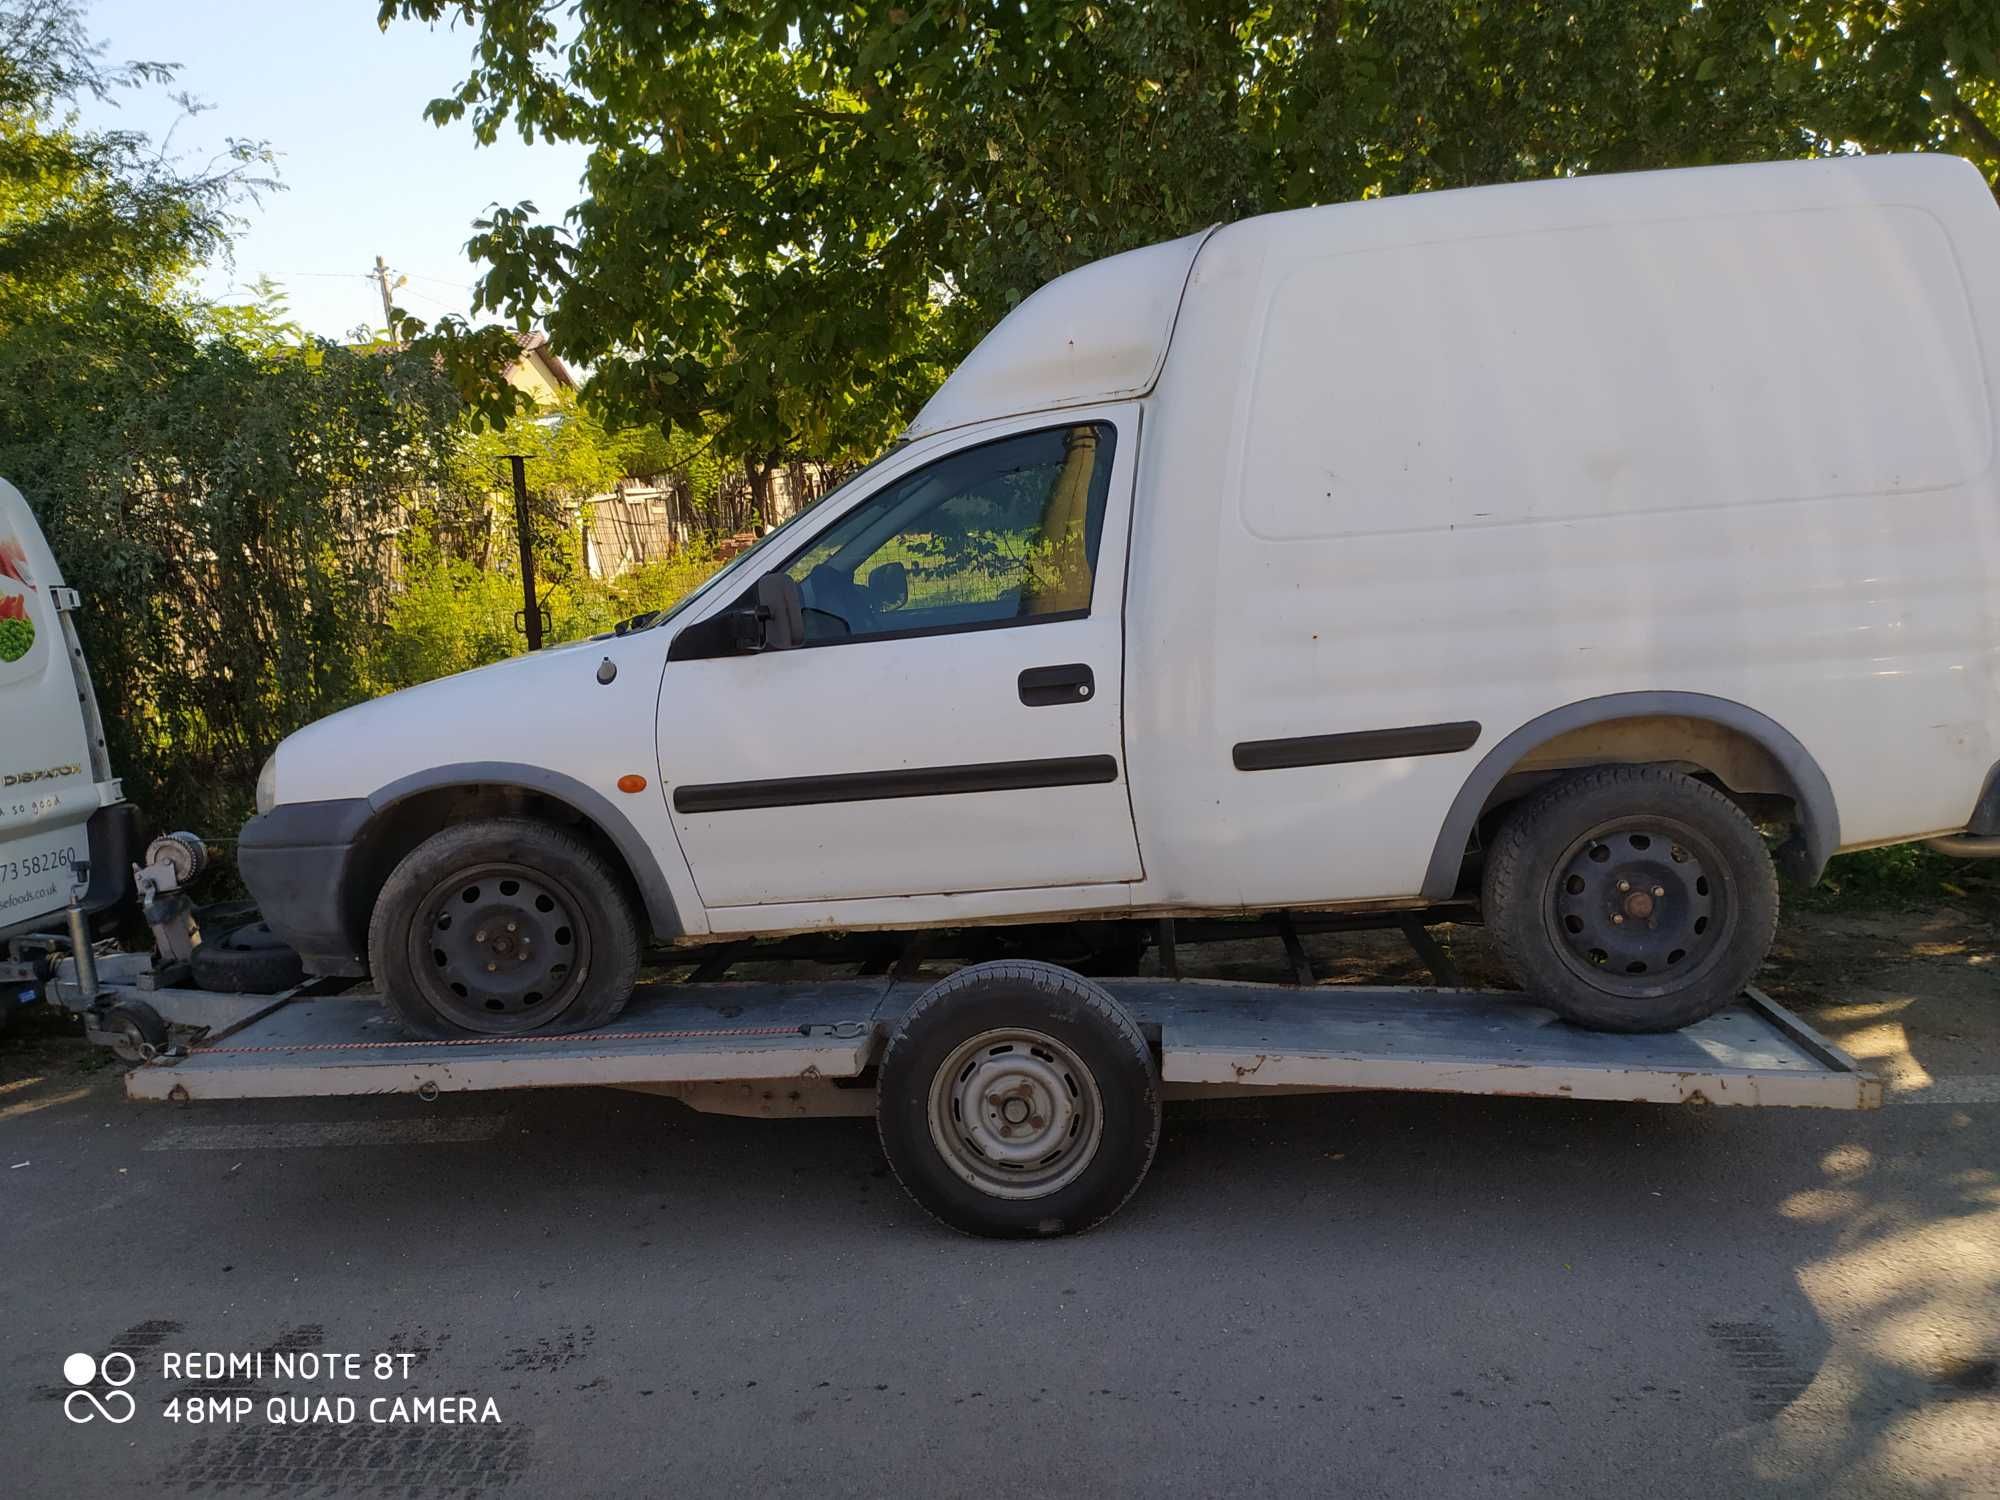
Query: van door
{"points": [[47, 789], [952, 721]]}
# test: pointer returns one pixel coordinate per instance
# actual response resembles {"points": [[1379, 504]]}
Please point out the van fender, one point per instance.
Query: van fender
{"points": [[1819, 818], [639, 855]]}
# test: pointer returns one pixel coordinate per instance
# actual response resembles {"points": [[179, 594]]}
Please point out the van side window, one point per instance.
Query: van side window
{"points": [[1003, 533]]}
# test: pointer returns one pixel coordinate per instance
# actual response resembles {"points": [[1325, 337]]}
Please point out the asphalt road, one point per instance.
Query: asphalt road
{"points": [[1365, 1294]]}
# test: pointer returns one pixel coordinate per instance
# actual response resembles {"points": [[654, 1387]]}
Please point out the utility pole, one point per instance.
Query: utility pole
{"points": [[388, 307], [531, 610]]}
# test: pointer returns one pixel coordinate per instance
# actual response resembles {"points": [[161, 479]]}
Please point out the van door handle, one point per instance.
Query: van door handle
{"points": [[1073, 682]]}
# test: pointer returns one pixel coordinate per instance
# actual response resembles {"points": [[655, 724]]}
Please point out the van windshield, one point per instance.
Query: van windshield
{"points": [[736, 566]]}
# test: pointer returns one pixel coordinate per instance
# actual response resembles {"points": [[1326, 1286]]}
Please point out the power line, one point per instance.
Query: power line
{"points": [[463, 286], [434, 301]]}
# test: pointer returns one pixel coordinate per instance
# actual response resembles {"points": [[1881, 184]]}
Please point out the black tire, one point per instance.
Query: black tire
{"points": [[1631, 898], [138, 1032], [503, 927], [247, 960], [1060, 1049]]}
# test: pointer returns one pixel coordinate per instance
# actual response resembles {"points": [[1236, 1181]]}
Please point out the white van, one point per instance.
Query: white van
{"points": [[1534, 543], [65, 828]]}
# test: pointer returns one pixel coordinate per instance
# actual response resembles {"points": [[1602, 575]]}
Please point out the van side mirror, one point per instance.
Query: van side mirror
{"points": [[889, 586], [775, 618], [771, 618]]}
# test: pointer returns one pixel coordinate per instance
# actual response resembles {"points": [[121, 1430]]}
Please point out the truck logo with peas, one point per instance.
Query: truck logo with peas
{"points": [[17, 630]]}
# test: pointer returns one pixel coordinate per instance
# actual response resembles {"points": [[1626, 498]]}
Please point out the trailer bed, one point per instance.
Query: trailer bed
{"points": [[807, 1047]]}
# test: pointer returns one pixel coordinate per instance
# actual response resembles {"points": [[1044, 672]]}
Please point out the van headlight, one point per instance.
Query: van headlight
{"points": [[267, 784]]}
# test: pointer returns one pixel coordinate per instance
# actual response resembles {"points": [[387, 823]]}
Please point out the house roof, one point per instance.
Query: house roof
{"points": [[535, 350]]}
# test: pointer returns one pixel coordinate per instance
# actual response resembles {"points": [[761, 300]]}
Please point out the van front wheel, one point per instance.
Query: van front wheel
{"points": [[501, 928], [1631, 898]]}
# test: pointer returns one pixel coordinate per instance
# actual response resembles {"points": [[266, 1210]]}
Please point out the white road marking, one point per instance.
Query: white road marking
{"points": [[1950, 1091], [294, 1134]]}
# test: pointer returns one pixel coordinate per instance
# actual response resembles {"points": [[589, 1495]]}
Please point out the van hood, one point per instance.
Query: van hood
{"points": [[525, 709], [515, 675]]}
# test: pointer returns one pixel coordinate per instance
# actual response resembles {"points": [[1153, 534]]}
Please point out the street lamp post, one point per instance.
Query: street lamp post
{"points": [[531, 609]]}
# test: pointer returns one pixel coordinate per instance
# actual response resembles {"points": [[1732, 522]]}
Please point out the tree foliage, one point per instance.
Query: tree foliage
{"points": [[797, 212], [228, 511], [728, 270], [88, 217], [264, 526], [221, 488]]}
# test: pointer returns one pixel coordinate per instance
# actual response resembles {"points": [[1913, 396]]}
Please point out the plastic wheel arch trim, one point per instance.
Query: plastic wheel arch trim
{"points": [[1819, 817]]}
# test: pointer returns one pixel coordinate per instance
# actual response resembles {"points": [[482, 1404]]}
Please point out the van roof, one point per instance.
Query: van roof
{"points": [[1101, 333], [1098, 333]]}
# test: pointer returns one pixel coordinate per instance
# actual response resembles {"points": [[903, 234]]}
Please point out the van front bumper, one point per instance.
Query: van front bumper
{"points": [[297, 859]]}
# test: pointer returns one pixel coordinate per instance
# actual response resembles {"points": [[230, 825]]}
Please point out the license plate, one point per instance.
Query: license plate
{"points": [[35, 876]]}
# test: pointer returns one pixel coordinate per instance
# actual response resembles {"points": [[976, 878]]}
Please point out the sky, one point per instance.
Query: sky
{"points": [[364, 173]]}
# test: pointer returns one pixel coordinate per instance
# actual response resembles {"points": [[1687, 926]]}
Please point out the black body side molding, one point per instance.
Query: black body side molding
{"points": [[871, 786], [1362, 744]]}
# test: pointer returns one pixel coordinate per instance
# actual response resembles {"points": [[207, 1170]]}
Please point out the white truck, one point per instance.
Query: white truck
{"points": [[1532, 544], [69, 840], [66, 831]]}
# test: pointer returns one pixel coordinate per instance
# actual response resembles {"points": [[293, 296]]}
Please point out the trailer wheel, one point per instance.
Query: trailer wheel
{"points": [[503, 927], [134, 1031], [1017, 1099], [1631, 898]]}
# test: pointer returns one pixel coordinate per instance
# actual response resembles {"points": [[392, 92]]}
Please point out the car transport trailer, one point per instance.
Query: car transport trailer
{"points": [[1015, 1097]]}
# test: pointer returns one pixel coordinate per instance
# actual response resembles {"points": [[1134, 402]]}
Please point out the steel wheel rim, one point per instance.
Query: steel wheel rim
{"points": [[500, 947], [1665, 880], [1015, 1113]]}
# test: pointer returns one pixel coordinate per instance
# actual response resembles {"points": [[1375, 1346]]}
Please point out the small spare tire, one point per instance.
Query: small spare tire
{"points": [[249, 960]]}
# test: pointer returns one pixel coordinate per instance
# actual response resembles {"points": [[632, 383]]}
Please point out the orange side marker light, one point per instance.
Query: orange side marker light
{"points": [[631, 783]]}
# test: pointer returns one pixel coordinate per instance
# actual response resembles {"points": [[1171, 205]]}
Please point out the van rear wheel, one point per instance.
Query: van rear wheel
{"points": [[1631, 898], [503, 927]]}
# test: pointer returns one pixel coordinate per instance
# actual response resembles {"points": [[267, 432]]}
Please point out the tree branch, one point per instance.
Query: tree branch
{"points": [[1978, 129]]}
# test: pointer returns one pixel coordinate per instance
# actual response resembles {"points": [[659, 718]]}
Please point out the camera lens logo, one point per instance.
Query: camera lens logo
{"points": [[80, 1370]]}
